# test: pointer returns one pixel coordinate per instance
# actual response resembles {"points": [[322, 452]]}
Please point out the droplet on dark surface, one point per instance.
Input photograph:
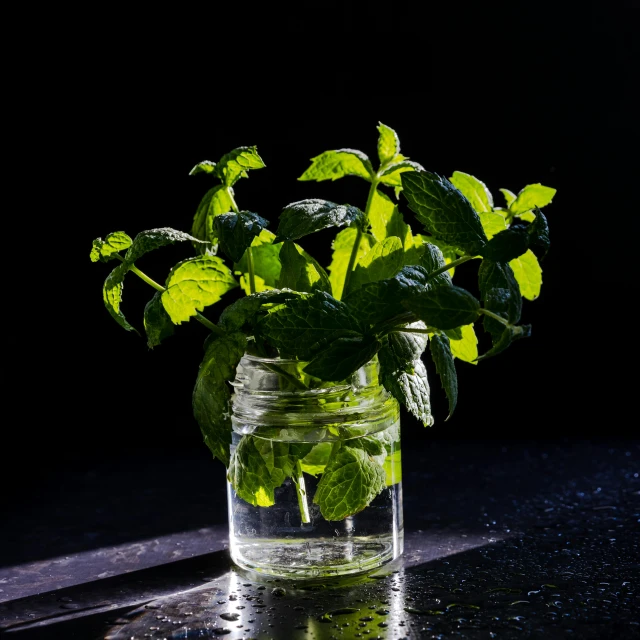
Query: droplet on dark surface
{"points": [[230, 617], [279, 591]]}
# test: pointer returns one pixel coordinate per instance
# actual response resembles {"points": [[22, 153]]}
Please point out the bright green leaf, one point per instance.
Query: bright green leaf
{"points": [[194, 284], [235, 164], [338, 163], [105, 250], [474, 190], [388, 143], [300, 271], [533, 195], [528, 273], [382, 261], [342, 247]]}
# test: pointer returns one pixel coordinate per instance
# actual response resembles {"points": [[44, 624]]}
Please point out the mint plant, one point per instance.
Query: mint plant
{"points": [[388, 292]]}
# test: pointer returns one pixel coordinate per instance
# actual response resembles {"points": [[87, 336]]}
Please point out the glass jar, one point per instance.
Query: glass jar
{"points": [[314, 482]]}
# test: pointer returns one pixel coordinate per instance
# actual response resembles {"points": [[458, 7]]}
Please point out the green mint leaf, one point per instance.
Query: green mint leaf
{"points": [[392, 175], [492, 223], [112, 296], [445, 367], [533, 195], [500, 293], [349, 483], [317, 459], [528, 273], [474, 190], [380, 212], [432, 259], [509, 196], [338, 163], [465, 345], [302, 218], [104, 250], [215, 202], [157, 323], [343, 357], [509, 335], [448, 252], [194, 284], [402, 348], [259, 465], [235, 164], [211, 394], [507, 245], [539, 235], [236, 231], [377, 301], [388, 143], [242, 314], [382, 261], [206, 166], [409, 388], [266, 263], [444, 211], [249, 474], [300, 271], [152, 239], [305, 325], [444, 306], [342, 247]]}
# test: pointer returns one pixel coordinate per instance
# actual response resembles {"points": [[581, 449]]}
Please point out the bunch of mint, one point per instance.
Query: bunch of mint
{"points": [[388, 292]]}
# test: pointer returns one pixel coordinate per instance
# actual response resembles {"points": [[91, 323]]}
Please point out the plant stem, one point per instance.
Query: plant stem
{"points": [[393, 323], [451, 265], [199, 317], [301, 490], [252, 277], [356, 245], [411, 331], [285, 374], [495, 316]]}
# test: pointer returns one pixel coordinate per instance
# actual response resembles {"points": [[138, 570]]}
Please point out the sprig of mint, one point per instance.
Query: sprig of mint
{"points": [[387, 293]]}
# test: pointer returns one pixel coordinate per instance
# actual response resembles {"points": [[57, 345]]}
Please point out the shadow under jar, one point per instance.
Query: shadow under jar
{"points": [[314, 482]]}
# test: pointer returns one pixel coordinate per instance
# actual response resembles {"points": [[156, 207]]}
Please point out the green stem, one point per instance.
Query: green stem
{"points": [[301, 490], [286, 375], [252, 277], [356, 245], [393, 323], [411, 330], [451, 265], [199, 317], [495, 316]]}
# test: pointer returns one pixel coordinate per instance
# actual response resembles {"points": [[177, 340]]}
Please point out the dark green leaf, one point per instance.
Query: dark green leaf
{"points": [[105, 250], [507, 245], [338, 163], [388, 143], [112, 295], [157, 323], [342, 247], [444, 306], [445, 367], [343, 357], [151, 239], [235, 164], [409, 388], [539, 235], [302, 218], [211, 394], [349, 483], [377, 301], [509, 334], [500, 293], [403, 348], [444, 211], [236, 231], [242, 314], [300, 271], [432, 259], [305, 325]]}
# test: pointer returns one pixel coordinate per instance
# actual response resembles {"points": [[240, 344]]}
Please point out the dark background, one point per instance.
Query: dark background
{"points": [[513, 95]]}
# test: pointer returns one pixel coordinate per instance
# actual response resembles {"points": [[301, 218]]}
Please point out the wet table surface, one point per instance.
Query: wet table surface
{"points": [[502, 540]]}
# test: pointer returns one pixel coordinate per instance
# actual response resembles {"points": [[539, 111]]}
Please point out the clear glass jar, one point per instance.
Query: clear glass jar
{"points": [[314, 483]]}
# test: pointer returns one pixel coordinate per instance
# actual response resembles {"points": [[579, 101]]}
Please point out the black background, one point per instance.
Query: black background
{"points": [[513, 95]]}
